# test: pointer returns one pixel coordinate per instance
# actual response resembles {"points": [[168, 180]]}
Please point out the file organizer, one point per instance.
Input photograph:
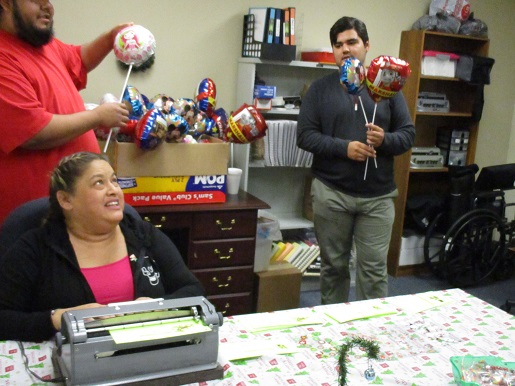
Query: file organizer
{"points": [[254, 49]]}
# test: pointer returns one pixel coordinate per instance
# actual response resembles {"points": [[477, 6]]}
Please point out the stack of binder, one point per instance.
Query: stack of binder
{"points": [[269, 33], [280, 145]]}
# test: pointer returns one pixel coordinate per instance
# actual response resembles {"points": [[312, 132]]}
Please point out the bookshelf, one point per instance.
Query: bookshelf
{"points": [[461, 94], [281, 187]]}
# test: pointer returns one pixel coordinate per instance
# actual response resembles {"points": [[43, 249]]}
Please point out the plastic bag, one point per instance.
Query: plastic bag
{"points": [[460, 9], [268, 230], [268, 226], [473, 27], [440, 23]]}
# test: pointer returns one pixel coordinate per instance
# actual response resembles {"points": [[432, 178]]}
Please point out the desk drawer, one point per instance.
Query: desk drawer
{"points": [[168, 220], [223, 225], [226, 280], [221, 253], [234, 304]]}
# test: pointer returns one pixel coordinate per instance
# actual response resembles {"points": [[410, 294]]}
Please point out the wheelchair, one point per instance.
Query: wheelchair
{"points": [[469, 241]]}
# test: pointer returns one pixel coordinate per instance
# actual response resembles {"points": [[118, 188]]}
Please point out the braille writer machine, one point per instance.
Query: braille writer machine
{"points": [[139, 341]]}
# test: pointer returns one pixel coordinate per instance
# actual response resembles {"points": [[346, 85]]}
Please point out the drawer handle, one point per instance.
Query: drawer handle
{"points": [[215, 280], [220, 224], [217, 252], [227, 306], [163, 219]]}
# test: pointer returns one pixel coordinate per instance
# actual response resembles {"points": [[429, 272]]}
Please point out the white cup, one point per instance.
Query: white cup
{"points": [[233, 180]]}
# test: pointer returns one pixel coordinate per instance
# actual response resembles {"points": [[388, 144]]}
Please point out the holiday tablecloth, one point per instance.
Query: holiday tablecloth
{"points": [[417, 335]]}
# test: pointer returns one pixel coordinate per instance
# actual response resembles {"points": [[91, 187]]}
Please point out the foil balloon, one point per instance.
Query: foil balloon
{"points": [[204, 125], [150, 130], [134, 45], [177, 127], [186, 108], [245, 125], [136, 103], [352, 75], [219, 116], [386, 76], [205, 96], [162, 102]]}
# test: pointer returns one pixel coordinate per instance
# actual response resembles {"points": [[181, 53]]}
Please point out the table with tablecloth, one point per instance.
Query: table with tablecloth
{"points": [[416, 344]]}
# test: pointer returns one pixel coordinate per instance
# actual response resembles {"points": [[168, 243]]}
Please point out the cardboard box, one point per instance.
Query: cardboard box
{"points": [[264, 92], [140, 191], [171, 159], [172, 173], [278, 288], [263, 104]]}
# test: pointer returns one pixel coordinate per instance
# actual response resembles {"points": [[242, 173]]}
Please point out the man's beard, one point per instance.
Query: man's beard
{"points": [[35, 37]]}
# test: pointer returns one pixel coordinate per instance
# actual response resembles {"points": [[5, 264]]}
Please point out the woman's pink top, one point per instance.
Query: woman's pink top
{"points": [[111, 283]]}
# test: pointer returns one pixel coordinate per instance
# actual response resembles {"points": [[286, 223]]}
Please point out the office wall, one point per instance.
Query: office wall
{"points": [[202, 38]]}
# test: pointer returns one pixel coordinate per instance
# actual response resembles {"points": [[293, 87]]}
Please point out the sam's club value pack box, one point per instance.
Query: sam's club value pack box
{"points": [[172, 173], [140, 191]]}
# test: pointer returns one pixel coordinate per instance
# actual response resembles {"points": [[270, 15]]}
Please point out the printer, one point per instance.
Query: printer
{"points": [[137, 341]]}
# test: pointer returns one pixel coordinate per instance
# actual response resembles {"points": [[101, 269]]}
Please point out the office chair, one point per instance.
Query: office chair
{"points": [[30, 215]]}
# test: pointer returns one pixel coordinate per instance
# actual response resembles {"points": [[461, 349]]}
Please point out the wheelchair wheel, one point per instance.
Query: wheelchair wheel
{"points": [[432, 246], [473, 247]]}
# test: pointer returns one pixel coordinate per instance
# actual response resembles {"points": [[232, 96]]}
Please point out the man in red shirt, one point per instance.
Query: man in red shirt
{"points": [[42, 115]]}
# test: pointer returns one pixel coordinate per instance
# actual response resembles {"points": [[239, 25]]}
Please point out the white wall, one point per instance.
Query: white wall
{"points": [[202, 38]]}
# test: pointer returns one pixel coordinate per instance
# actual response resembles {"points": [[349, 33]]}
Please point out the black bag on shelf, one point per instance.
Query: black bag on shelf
{"points": [[474, 69], [421, 209]]}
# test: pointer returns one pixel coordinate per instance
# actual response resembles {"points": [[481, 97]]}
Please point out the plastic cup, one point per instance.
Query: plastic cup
{"points": [[233, 180]]}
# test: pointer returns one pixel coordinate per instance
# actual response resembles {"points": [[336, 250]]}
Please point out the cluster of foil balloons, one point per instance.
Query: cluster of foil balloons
{"points": [[384, 78], [165, 119]]}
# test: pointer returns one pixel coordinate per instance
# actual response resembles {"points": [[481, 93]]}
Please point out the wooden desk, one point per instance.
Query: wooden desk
{"points": [[218, 243]]}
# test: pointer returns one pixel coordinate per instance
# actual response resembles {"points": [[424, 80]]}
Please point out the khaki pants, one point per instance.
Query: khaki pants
{"points": [[340, 218]]}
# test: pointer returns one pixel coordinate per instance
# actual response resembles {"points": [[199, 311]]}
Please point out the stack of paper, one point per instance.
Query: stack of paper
{"points": [[280, 320], [347, 312], [281, 145]]}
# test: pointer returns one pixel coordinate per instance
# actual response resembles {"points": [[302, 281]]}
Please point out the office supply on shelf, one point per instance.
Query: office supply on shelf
{"points": [[270, 25], [140, 340], [286, 26], [281, 145], [432, 102], [258, 23], [278, 28], [292, 25], [266, 47], [426, 157]]}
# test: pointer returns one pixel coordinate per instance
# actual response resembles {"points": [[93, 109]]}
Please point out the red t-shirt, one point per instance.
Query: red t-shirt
{"points": [[35, 83], [111, 283]]}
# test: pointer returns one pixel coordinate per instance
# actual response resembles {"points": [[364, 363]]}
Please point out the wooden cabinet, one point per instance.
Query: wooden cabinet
{"points": [[218, 243], [282, 187], [461, 96]]}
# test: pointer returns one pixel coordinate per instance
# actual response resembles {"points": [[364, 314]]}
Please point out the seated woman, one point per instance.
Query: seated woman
{"points": [[87, 254]]}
